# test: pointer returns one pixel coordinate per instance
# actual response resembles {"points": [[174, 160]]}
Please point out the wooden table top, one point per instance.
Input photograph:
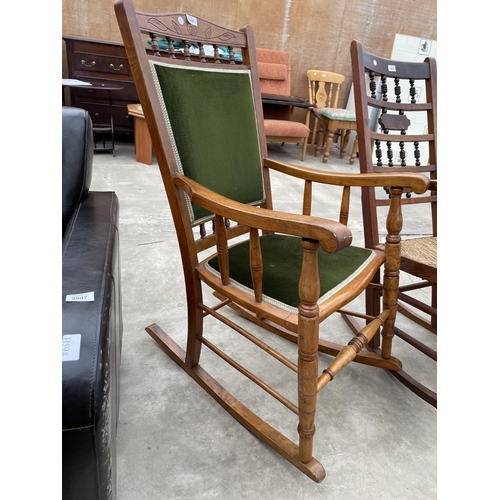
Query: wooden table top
{"points": [[135, 110]]}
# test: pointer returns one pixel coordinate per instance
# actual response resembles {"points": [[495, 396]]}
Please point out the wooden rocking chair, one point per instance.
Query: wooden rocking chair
{"points": [[291, 271], [396, 110]]}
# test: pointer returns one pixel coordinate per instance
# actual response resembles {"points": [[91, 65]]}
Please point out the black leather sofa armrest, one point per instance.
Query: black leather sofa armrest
{"points": [[90, 383]]}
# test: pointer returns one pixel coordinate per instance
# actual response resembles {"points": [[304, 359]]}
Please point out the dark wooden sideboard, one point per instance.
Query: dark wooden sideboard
{"points": [[105, 62]]}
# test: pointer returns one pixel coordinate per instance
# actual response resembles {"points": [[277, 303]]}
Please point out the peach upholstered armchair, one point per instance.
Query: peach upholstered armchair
{"points": [[274, 68]]}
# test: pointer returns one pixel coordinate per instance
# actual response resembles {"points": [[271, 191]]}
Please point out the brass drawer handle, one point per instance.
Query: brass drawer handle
{"points": [[88, 65], [112, 66]]}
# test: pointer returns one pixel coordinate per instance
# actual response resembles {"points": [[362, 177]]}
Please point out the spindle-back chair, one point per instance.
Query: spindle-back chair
{"points": [[396, 111]]}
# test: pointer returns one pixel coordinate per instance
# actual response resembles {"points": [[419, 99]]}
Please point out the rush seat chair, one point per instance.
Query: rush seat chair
{"points": [[396, 110], [286, 272]]}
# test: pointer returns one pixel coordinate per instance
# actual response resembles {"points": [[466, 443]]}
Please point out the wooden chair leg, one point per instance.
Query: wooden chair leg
{"points": [[344, 141], [319, 141], [304, 148], [328, 145], [195, 325], [434, 305], [313, 137], [354, 151], [308, 329]]}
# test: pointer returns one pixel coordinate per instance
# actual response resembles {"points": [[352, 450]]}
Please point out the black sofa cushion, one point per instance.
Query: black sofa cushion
{"points": [[77, 155]]}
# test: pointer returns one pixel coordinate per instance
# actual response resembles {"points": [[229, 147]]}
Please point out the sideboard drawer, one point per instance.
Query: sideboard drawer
{"points": [[86, 63]]}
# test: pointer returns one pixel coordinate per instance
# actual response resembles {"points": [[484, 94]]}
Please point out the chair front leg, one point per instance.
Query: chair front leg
{"points": [[344, 141], [313, 137], [391, 269], [308, 336], [329, 142], [321, 137]]}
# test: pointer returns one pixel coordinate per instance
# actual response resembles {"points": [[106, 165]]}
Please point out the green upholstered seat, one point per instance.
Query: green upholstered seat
{"points": [[338, 114], [210, 113], [282, 261]]}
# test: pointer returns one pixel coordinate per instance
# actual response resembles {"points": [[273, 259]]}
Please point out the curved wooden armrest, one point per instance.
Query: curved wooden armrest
{"points": [[418, 183], [331, 235]]}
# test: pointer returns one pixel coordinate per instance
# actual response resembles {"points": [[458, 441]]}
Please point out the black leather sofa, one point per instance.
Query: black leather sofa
{"points": [[91, 329]]}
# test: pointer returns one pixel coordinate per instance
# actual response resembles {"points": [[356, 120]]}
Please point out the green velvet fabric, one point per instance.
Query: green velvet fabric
{"points": [[282, 262], [211, 114]]}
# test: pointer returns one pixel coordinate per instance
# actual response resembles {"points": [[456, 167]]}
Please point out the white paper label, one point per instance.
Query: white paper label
{"points": [[391, 67], [71, 347], [192, 20], [80, 297]]}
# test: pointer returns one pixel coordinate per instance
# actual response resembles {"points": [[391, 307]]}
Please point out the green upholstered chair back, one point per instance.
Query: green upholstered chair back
{"points": [[210, 117]]}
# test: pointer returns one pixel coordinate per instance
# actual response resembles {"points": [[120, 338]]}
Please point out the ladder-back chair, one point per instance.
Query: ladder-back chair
{"points": [[291, 271], [396, 110], [324, 89]]}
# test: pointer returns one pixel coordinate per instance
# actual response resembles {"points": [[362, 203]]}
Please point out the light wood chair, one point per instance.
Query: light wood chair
{"points": [[324, 89], [396, 110], [286, 272]]}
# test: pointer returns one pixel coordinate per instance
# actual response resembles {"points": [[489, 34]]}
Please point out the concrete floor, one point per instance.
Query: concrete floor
{"points": [[375, 438]]}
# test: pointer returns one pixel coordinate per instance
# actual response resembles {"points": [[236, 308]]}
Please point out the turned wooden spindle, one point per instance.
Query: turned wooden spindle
{"points": [[154, 44], [394, 225], [231, 55], [202, 52], [384, 88], [373, 85], [344, 205], [413, 91], [216, 54], [390, 153], [222, 249], [307, 200], [187, 54], [416, 153], [402, 152], [171, 50], [309, 289], [397, 90], [349, 352], [256, 267], [378, 153]]}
